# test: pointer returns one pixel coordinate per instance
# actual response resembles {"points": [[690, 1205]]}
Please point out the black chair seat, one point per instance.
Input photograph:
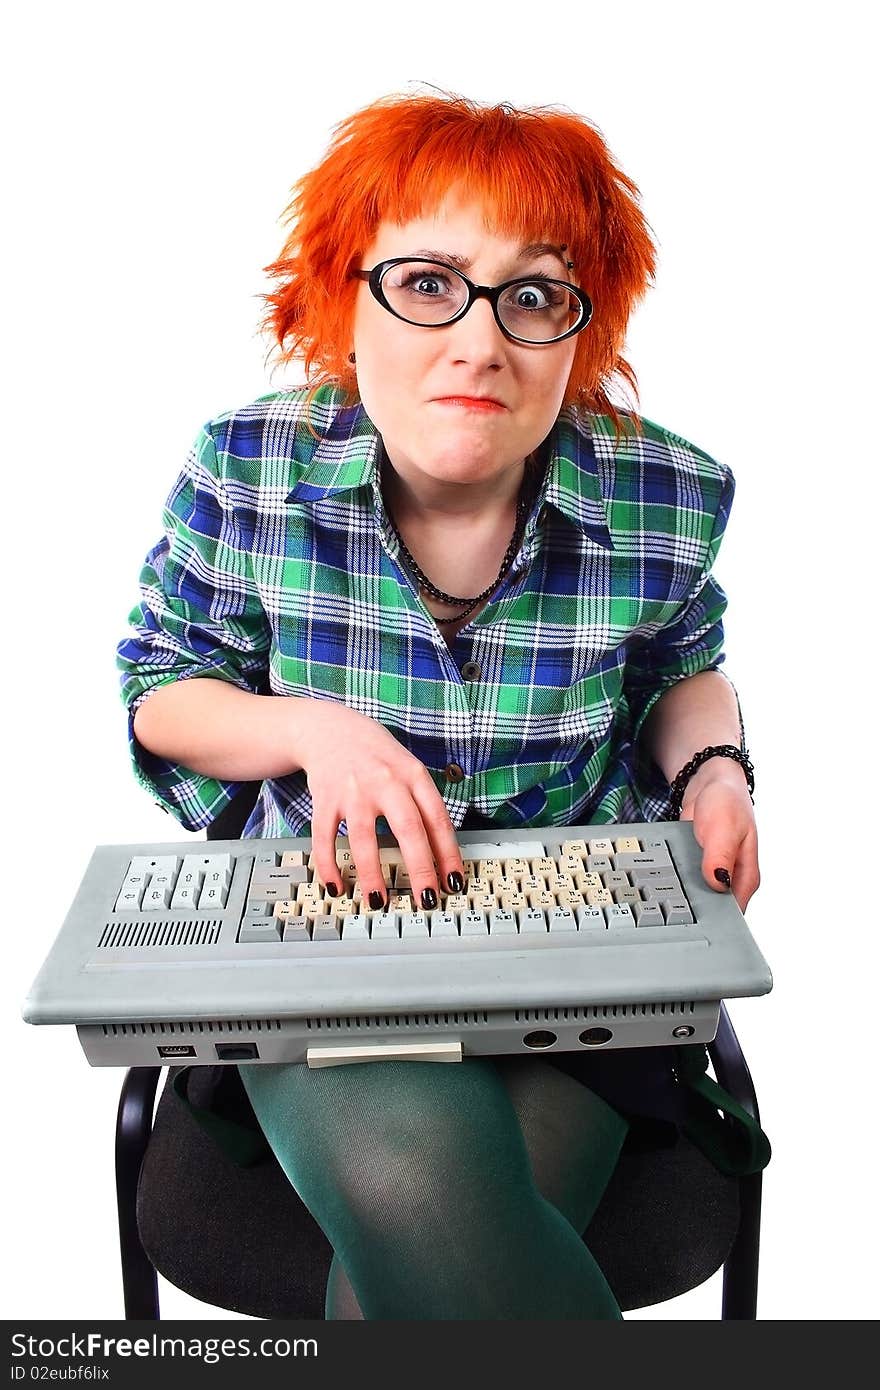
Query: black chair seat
{"points": [[240, 1238]]}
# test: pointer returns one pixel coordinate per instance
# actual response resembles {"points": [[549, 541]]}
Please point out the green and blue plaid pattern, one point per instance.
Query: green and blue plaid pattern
{"points": [[279, 571]]}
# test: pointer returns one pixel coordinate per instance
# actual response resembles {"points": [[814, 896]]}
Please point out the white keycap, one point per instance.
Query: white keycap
{"points": [[129, 899], [142, 864], [474, 924], [502, 922], [413, 925], [619, 915], [561, 919], [385, 926], [155, 899], [532, 920], [356, 927], [590, 918], [444, 924]]}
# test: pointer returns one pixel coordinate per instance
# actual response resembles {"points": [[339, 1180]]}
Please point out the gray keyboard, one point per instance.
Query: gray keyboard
{"points": [[576, 937]]}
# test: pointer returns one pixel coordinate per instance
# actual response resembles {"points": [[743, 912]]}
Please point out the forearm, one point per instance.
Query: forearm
{"points": [[220, 731], [698, 712]]}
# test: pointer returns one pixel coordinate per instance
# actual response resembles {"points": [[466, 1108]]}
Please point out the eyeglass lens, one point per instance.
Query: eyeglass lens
{"points": [[536, 310]]}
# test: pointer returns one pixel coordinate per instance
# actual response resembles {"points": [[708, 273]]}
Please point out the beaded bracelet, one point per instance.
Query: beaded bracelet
{"points": [[722, 750]]}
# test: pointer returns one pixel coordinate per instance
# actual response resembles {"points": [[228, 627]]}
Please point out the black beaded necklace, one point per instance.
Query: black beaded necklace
{"points": [[468, 605]]}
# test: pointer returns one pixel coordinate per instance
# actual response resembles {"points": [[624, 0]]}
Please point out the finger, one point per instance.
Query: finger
{"points": [[325, 826], [746, 875], [371, 874], [444, 844], [405, 822]]}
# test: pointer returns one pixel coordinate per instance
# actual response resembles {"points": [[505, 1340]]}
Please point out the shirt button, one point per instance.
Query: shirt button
{"points": [[470, 671], [454, 773]]}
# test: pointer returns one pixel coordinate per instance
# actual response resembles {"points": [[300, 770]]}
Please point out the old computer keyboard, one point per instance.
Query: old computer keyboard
{"points": [[577, 937]]}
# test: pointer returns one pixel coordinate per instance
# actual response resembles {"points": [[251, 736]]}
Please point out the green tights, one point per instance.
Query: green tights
{"points": [[447, 1190]]}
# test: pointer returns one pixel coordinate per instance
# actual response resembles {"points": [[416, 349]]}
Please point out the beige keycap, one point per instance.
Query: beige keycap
{"points": [[627, 844], [400, 902], [598, 897], [572, 899], [543, 866], [484, 902], [577, 847], [513, 902], [293, 858], [600, 847], [533, 883], [490, 868], [560, 883], [584, 882], [542, 901], [514, 868], [457, 902]]}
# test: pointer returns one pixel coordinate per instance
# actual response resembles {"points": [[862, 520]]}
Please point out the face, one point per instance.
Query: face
{"points": [[418, 385]]}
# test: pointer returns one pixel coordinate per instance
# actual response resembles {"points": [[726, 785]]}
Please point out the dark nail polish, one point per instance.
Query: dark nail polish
{"points": [[429, 898], [377, 900], [455, 881], [723, 877], [332, 889]]}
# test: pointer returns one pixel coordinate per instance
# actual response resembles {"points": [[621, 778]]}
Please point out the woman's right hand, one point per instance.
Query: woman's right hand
{"points": [[357, 771]]}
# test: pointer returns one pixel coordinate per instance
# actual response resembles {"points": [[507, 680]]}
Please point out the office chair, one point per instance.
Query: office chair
{"points": [[241, 1238]]}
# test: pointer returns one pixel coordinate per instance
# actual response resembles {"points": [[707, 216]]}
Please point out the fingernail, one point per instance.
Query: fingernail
{"points": [[455, 881], [429, 898], [377, 900], [332, 889], [723, 877]]}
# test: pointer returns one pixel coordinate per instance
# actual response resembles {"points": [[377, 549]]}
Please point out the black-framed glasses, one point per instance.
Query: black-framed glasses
{"points": [[530, 309]]}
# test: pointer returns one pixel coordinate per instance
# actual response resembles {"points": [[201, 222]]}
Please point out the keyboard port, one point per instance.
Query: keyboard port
{"points": [[595, 1037], [540, 1038], [236, 1052]]}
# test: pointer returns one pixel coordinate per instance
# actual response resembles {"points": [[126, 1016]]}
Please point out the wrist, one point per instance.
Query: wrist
{"points": [[723, 764]]}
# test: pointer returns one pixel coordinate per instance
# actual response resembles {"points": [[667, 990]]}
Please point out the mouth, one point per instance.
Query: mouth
{"points": [[485, 403]]}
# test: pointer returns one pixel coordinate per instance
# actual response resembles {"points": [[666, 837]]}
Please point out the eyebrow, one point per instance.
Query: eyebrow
{"points": [[530, 252]]}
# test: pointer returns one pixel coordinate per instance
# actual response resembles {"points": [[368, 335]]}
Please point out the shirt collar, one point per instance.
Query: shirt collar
{"points": [[348, 453]]}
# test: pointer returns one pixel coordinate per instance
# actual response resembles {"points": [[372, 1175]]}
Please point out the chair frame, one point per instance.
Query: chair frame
{"points": [[134, 1126]]}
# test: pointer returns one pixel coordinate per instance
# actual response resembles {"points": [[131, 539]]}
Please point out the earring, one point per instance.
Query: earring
{"points": [[351, 358]]}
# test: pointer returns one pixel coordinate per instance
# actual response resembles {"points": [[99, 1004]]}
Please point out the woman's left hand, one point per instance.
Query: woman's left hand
{"points": [[717, 801]]}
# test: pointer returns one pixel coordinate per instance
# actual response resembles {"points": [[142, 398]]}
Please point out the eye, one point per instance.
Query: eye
{"points": [[530, 296]]}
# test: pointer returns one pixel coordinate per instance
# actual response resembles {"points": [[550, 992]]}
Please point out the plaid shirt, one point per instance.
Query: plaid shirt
{"points": [[279, 571]]}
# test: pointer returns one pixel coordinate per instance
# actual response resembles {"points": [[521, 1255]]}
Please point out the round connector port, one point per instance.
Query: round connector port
{"points": [[683, 1031], [595, 1037], [540, 1038]]}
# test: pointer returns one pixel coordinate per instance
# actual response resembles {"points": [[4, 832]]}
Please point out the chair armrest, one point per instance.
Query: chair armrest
{"points": [[729, 1065]]}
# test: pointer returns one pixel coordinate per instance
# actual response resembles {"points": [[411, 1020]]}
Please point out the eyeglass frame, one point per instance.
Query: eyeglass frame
{"points": [[493, 293]]}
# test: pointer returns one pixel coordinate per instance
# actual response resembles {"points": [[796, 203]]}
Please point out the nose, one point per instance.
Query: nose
{"points": [[477, 339]]}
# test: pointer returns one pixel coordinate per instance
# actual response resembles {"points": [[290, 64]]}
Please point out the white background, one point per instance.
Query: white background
{"points": [[151, 153]]}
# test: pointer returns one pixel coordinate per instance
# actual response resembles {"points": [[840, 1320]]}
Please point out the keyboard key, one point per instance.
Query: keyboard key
{"points": [[678, 912], [356, 927], [444, 923], [474, 924], [619, 915], [502, 922], [295, 929], [413, 926], [385, 926], [532, 920], [591, 918], [648, 915], [561, 919]]}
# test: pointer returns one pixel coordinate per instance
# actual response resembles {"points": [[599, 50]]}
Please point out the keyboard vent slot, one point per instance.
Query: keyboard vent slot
{"points": [[239, 1027], [370, 1023], [596, 1011], [180, 931]]}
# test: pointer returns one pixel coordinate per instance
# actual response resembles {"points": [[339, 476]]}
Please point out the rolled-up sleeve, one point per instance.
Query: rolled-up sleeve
{"points": [[199, 615]]}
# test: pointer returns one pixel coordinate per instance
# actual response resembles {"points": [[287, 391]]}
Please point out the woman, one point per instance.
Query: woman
{"points": [[450, 585]]}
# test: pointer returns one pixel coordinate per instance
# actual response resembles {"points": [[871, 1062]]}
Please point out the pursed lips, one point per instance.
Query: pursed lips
{"points": [[471, 402]]}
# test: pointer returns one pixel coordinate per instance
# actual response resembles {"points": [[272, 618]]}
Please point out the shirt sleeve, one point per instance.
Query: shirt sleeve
{"points": [[199, 614], [690, 642]]}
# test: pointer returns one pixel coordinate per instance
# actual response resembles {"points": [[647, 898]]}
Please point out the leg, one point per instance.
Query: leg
{"points": [[421, 1178]]}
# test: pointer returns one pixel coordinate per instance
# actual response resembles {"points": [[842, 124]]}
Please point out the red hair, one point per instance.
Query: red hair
{"points": [[542, 174]]}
